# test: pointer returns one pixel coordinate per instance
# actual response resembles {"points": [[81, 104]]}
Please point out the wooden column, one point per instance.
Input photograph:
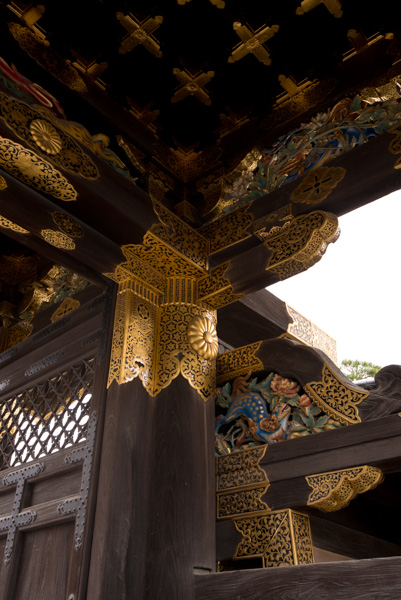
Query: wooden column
{"points": [[155, 517]]}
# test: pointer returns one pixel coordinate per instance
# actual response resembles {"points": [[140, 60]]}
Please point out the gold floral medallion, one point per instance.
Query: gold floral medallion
{"points": [[203, 338], [45, 136]]}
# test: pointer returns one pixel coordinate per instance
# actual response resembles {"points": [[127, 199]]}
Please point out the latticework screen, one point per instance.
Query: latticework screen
{"points": [[49, 417]]}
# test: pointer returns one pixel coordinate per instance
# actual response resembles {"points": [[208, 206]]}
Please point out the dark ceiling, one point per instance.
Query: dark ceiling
{"points": [[334, 42]]}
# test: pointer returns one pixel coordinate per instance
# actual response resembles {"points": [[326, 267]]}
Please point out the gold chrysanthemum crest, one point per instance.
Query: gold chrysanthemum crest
{"points": [[203, 338], [45, 136]]}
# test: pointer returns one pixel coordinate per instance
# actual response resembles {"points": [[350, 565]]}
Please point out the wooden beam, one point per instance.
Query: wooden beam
{"points": [[360, 580]]}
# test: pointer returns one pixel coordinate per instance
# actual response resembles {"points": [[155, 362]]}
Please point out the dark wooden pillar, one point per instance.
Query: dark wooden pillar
{"points": [[155, 516]]}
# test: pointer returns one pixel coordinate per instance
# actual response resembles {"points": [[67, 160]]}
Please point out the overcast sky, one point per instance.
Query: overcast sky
{"points": [[354, 292]]}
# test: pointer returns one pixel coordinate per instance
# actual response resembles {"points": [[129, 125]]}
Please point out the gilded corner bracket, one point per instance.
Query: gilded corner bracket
{"points": [[238, 362], [334, 490], [161, 327], [279, 538]]}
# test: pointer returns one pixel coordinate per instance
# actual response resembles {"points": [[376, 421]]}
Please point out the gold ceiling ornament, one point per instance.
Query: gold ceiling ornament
{"points": [[333, 6], [203, 338], [65, 307], [300, 243], [334, 490], [140, 33], [45, 136], [241, 483], [335, 397], [58, 239], [317, 185], [192, 85], [35, 172], [252, 42], [18, 332], [238, 362], [28, 123], [3, 183], [39, 49], [7, 224], [279, 537], [67, 224]]}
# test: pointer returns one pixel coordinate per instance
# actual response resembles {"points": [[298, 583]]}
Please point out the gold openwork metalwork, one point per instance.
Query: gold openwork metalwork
{"points": [[216, 288], [334, 490], [58, 239], [140, 33], [279, 538], [228, 230], [50, 140], [7, 224], [45, 136], [192, 85], [303, 330], [35, 172], [317, 185], [241, 483], [301, 243], [336, 398], [238, 362], [67, 224], [65, 307], [3, 183], [252, 43], [203, 337]]}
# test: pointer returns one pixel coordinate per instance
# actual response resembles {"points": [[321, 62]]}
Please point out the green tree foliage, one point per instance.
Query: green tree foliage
{"points": [[357, 369]]}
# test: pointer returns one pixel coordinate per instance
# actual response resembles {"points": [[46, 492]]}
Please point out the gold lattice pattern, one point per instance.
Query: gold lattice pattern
{"points": [[7, 224], [334, 490], [280, 538], [336, 398]]}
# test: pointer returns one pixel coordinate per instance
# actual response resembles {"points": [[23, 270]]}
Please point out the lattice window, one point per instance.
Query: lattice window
{"points": [[47, 418]]}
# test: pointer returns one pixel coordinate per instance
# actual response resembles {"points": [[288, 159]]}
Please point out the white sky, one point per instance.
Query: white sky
{"points": [[354, 292]]}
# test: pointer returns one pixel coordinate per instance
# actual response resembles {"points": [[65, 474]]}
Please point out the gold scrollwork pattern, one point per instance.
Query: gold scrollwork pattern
{"points": [[228, 230], [58, 239], [66, 306], [3, 183], [303, 330], [301, 243], [273, 537], [35, 172], [184, 239], [334, 490], [67, 224], [317, 185], [240, 469], [238, 362], [24, 120], [216, 289], [336, 398], [241, 483], [241, 502], [7, 224]]}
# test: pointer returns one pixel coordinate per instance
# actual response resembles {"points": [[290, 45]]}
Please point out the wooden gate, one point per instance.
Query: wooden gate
{"points": [[51, 411]]}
